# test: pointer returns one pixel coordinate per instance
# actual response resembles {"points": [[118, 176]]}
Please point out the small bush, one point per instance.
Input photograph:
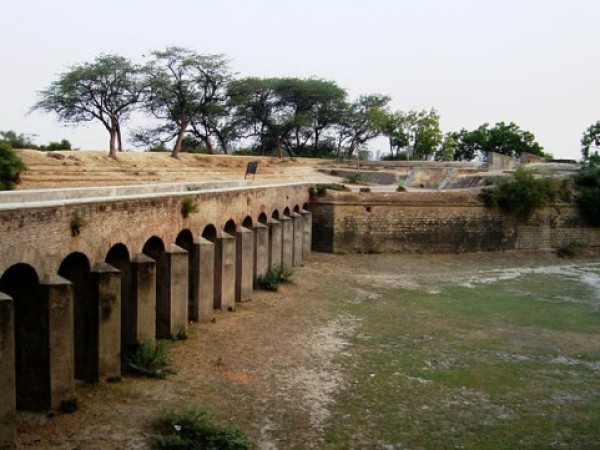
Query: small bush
{"points": [[400, 188], [10, 167], [273, 278], [524, 195], [355, 177], [569, 249], [193, 428], [318, 190], [149, 360], [364, 189], [188, 206]]}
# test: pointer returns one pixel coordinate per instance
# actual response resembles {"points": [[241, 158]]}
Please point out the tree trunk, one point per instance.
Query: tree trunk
{"points": [[208, 144], [112, 147], [177, 146], [119, 137], [279, 147]]}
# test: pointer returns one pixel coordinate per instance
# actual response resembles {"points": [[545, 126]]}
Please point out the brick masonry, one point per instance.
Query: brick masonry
{"points": [[41, 236], [437, 222]]}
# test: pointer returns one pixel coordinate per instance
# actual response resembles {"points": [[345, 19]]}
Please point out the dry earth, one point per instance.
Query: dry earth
{"points": [[270, 367]]}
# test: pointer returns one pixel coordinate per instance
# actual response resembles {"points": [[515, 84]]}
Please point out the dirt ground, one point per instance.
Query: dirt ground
{"points": [[269, 367]]}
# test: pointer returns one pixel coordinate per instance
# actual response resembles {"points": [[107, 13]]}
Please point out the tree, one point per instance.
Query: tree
{"points": [[17, 140], [506, 139], [184, 89], [590, 141], [427, 133], [106, 90], [447, 150], [361, 121]]}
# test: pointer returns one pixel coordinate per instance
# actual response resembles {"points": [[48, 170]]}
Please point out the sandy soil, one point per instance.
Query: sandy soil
{"points": [[270, 367]]}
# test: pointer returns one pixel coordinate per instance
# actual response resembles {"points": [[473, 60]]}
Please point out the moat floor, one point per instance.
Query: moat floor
{"points": [[378, 351]]}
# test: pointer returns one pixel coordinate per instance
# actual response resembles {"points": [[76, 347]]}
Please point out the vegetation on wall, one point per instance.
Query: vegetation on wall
{"points": [[10, 166], [588, 197], [523, 195]]}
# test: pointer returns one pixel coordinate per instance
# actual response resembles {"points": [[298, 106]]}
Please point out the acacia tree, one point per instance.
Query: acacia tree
{"points": [[590, 141], [506, 139], [360, 122], [105, 90], [419, 128], [183, 89]]}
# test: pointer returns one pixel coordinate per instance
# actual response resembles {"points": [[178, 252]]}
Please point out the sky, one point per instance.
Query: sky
{"points": [[532, 62]]}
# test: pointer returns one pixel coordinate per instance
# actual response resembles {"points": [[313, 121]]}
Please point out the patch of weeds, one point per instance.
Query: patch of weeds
{"points": [[188, 206], [318, 190], [182, 335], [400, 188], [68, 406], [365, 189], [569, 249], [273, 278], [77, 223], [193, 428], [149, 360]]}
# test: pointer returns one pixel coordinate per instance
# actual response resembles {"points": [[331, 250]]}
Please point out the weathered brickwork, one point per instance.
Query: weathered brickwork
{"points": [[436, 222], [41, 236]]}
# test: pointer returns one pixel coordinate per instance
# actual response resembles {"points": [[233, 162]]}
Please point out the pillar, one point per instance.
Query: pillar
{"points": [[244, 264], [224, 272], [261, 250], [287, 242], [106, 301], [141, 310], [206, 258], [172, 304], [56, 294], [306, 233], [275, 240], [298, 231], [8, 396]]}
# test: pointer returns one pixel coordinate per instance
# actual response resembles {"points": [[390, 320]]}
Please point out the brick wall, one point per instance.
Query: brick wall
{"points": [[41, 236], [428, 222]]}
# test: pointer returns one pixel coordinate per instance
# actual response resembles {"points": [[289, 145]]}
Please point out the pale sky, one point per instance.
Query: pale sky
{"points": [[533, 62]]}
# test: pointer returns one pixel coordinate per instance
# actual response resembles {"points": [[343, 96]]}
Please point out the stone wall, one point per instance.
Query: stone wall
{"points": [[441, 222]]}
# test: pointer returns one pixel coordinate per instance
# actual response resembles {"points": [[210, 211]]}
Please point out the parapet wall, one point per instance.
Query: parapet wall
{"points": [[440, 222]]}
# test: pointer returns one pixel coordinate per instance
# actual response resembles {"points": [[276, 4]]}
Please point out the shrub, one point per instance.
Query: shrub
{"points": [[588, 198], [318, 190], [355, 177], [150, 360], [273, 278], [400, 188], [77, 223], [10, 167], [569, 249], [193, 428], [188, 206], [365, 189], [524, 195]]}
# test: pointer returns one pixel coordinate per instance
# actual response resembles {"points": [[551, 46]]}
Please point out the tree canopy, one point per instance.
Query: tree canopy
{"points": [[506, 139], [105, 90], [590, 143]]}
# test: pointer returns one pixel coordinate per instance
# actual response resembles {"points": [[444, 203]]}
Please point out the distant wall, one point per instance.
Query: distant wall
{"points": [[441, 222]]}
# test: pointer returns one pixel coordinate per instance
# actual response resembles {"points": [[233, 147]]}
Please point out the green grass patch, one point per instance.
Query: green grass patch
{"points": [[504, 365]]}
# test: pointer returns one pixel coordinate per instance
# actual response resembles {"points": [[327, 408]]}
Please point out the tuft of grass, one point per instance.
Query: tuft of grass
{"points": [[188, 206], [192, 427], [149, 360], [400, 188], [365, 189], [273, 278]]}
